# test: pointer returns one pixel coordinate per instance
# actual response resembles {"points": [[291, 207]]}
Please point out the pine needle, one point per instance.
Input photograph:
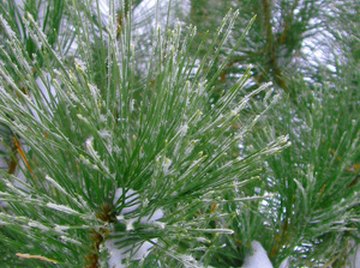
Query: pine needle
{"points": [[35, 257]]}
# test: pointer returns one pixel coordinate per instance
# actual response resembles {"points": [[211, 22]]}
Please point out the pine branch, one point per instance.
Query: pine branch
{"points": [[115, 152]]}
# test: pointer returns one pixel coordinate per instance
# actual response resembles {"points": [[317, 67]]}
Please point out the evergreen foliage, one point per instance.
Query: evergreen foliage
{"points": [[130, 139]]}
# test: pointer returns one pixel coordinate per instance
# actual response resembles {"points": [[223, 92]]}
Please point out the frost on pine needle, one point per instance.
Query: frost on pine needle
{"points": [[166, 165], [62, 208], [120, 154]]}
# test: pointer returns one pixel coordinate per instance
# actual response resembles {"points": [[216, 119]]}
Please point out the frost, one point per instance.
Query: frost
{"points": [[201, 87], [203, 240], [159, 224], [132, 105], [81, 117], [7, 28], [166, 165], [95, 92], [61, 228], [88, 143], [38, 225], [55, 184], [89, 146], [46, 87], [18, 187], [190, 261], [218, 231], [61, 208], [257, 258], [183, 129], [70, 240], [80, 64]]}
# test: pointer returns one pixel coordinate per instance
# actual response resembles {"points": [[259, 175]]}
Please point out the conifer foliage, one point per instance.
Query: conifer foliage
{"points": [[128, 141], [113, 159]]}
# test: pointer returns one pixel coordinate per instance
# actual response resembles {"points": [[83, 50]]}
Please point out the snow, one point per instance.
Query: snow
{"points": [[285, 263], [354, 258], [3, 163], [115, 255], [157, 215], [130, 202], [257, 258], [48, 93]]}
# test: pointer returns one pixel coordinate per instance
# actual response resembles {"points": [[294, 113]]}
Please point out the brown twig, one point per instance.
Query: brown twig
{"points": [[105, 214], [21, 152]]}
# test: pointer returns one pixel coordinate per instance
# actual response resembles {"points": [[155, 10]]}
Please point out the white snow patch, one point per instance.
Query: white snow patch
{"points": [[285, 263], [48, 94], [138, 251], [3, 151], [130, 203], [258, 257], [115, 255], [354, 258]]}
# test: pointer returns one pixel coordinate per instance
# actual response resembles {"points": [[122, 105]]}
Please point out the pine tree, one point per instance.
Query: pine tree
{"points": [[130, 139], [309, 49]]}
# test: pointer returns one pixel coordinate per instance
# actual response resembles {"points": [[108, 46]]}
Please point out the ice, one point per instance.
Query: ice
{"points": [[257, 258]]}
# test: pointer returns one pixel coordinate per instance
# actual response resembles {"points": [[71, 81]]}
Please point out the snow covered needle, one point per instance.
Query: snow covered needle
{"points": [[99, 122]]}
